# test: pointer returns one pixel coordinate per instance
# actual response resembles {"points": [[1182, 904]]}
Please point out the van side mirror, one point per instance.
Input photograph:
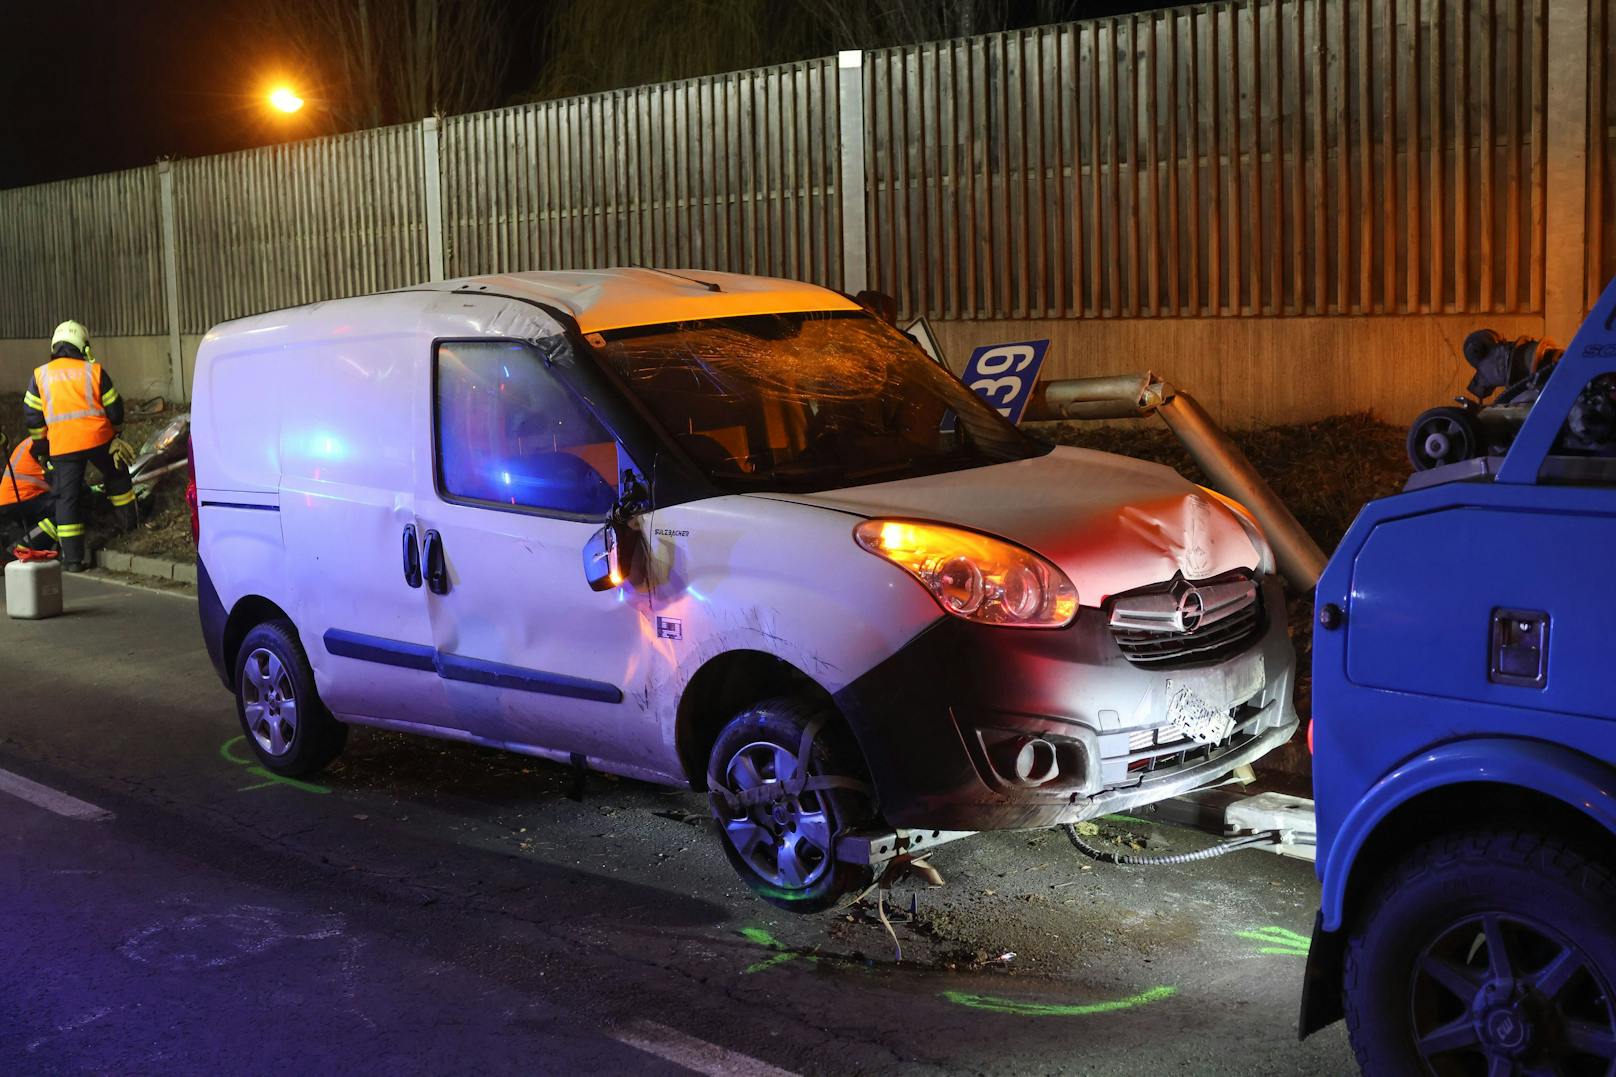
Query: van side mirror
{"points": [[611, 555]]}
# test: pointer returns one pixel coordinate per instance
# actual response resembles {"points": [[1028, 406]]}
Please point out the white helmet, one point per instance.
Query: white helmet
{"points": [[74, 333]]}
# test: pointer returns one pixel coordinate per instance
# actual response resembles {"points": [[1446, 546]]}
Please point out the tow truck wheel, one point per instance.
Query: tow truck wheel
{"points": [[1487, 952], [287, 726], [783, 842]]}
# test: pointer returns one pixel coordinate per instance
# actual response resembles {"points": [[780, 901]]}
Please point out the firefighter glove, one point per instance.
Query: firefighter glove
{"points": [[123, 453]]}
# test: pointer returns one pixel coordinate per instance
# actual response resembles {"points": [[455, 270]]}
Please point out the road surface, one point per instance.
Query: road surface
{"points": [[424, 907]]}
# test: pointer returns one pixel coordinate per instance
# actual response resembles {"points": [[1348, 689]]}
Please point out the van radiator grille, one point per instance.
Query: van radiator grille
{"points": [[1239, 623]]}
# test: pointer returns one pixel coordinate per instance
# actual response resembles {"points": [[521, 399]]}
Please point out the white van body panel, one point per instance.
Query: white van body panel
{"points": [[1120, 523], [747, 573]]}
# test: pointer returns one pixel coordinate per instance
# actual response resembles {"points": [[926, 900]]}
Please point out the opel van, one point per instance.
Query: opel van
{"points": [[723, 532]]}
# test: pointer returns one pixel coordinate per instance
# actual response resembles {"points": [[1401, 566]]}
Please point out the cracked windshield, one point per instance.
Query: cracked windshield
{"points": [[807, 401]]}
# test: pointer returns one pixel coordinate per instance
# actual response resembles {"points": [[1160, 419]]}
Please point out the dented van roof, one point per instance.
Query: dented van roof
{"points": [[605, 299]]}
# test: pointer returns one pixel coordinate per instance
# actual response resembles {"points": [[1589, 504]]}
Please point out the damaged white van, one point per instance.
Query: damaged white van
{"points": [[718, 531]]}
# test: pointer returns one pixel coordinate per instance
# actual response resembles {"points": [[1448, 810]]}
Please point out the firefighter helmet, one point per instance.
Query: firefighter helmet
{"points": [[74, 334]]}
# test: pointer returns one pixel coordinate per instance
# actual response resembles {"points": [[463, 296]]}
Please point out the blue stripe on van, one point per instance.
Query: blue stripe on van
{"points": [[239, 505], [387, 652], [454, 667]]}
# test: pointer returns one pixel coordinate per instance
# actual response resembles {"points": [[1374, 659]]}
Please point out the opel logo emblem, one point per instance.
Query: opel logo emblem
{"points": [[1190, 609]]}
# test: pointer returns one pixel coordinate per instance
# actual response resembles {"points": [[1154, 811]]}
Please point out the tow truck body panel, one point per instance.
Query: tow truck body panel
{"points": [[1463, 636]]}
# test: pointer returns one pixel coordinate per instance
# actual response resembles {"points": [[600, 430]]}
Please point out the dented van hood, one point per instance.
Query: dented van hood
{"points": [[1110, 522]]}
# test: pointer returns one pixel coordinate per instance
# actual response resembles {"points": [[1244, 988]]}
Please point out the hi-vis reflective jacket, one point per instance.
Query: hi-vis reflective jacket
{"points": [[72, 404], [23, 479]]}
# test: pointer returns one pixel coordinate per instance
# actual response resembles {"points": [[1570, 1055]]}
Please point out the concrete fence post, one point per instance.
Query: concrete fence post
{"points": [[180, 391], [1566, 159], [432, 198], [850, 184]]}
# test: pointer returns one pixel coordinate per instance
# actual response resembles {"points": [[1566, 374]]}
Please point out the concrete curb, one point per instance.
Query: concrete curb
{"points": [[139, 565]]}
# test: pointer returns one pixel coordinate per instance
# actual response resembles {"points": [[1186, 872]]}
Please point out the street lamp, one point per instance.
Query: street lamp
{"points": [[284, 99]]}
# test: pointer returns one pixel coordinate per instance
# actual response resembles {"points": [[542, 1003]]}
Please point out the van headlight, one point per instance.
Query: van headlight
{"points": [[975, 576]]}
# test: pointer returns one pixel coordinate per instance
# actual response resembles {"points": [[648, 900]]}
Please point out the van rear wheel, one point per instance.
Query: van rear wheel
{"points": [[779, 836], [288, 728]]}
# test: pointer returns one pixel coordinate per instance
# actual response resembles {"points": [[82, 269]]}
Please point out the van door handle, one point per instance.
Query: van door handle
{"points": [[437, 571], [412, 557]]}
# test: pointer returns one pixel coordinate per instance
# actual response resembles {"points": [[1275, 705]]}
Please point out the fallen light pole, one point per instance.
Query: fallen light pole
{"points": [[1134, 396]]}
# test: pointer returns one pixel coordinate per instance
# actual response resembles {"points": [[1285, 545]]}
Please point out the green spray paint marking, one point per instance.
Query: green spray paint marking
{"points": [[781, 956], [227, 753], [993, 1004], [1277, 940]]}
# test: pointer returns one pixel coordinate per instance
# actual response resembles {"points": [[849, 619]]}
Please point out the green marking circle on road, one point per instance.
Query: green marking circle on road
{"points": [[994, 1004], [227, 753]]}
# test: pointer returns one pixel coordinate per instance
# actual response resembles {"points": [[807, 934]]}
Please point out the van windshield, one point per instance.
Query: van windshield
{"points": [[807, 401]]}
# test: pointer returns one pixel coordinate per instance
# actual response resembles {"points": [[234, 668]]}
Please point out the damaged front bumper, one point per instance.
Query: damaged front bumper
{"points": [[946, 723]]}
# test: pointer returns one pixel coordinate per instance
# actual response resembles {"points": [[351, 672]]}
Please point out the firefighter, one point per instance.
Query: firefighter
{"points": [[73, 412], [25, 500]]}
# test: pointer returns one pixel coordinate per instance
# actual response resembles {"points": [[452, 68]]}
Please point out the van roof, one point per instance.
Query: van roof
{"points": [[602, 299]]}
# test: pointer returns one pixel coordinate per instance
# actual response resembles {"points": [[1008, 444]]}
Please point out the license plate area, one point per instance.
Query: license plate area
{"points": [[1191, 716]]}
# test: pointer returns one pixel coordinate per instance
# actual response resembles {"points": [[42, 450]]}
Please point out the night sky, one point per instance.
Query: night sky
{"points": [[98, 85]]}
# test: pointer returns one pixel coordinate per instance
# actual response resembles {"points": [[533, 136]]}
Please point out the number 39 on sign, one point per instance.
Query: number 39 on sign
{"points": [[1004, 375]]}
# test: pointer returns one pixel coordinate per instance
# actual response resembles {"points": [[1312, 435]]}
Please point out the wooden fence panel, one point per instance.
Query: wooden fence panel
{"points": [[1262, 157]]}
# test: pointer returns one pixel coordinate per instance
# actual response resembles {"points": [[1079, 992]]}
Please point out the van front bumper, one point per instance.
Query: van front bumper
{"points": [[940, 721]]}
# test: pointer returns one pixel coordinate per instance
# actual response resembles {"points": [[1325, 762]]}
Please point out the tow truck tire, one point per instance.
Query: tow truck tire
{"points": [[288, 728], [1488, 951], [785, 849]]}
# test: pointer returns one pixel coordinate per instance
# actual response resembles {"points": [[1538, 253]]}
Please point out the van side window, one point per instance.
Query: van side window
{"points": [[510, 433]]}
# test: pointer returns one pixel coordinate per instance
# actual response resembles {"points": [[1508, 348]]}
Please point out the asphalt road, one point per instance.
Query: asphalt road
{"points": [[425, 907]]}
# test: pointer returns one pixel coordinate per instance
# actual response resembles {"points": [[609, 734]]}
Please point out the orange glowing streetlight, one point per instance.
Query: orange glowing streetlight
{"points": [[282, 98]]}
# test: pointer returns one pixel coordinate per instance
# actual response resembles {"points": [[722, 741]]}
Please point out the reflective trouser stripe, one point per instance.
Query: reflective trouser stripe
{"points": [[110, 397], [70, 531], [126, 498], [36, 432], [49, 528]]}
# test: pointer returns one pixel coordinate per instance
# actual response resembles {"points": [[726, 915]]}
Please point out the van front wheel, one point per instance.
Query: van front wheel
{"points": [[780, 834], [287, 726]]}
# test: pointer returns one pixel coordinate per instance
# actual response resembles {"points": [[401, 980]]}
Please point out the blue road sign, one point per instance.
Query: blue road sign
{"points": [[1004, 375]]}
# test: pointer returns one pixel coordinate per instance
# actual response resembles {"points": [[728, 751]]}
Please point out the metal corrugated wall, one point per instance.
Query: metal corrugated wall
{"points": [[735, 172], [294, 223], [89, 249], [1252, 158]]}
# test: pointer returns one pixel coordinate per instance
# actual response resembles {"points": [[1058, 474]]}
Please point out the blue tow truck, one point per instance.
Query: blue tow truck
{"points": [[1464, 736]]}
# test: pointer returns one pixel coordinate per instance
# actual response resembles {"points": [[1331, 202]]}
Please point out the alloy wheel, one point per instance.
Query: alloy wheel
{"points": [[269, 700], [787, 839], [1502, 994]]}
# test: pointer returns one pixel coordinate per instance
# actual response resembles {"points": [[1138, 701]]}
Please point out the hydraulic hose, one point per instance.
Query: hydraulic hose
{"points": [[1246, 841]]}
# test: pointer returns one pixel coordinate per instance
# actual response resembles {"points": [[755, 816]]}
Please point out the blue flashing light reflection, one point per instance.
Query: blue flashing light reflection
{"points": [[323, 446], [695, 594]]}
